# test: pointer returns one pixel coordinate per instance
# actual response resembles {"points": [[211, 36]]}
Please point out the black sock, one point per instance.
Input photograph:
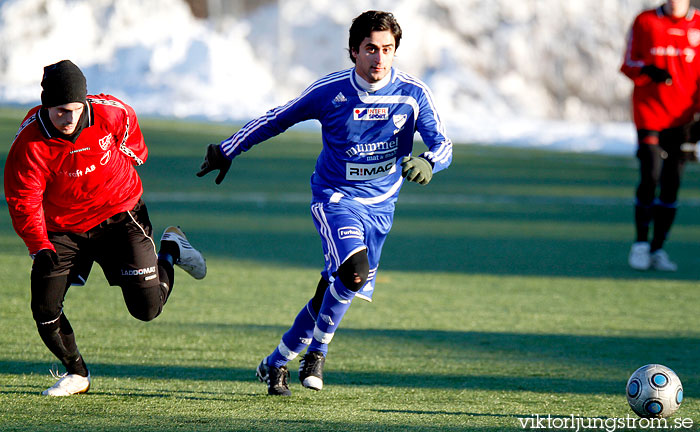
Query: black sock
{"points": [[642, 219], [663, 219], [59, 339], [166, 273]]}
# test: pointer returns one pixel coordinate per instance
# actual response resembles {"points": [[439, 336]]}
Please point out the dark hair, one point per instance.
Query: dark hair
{"points": [[371, 21]]}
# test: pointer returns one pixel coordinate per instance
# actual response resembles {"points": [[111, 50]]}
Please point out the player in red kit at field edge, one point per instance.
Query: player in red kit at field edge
{"points": [[74, 197], [663, 61]]}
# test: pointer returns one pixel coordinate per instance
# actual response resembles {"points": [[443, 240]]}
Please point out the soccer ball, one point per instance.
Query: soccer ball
{"points": [[654, 391]]}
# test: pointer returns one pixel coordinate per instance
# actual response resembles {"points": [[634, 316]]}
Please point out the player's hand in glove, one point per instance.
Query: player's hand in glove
{"points": [[657, 74], [44, 261], [416, 169], [215, 160], [693, 131]]}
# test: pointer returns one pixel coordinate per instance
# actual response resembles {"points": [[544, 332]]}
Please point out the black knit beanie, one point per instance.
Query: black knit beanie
{"points": [[63, 83]]}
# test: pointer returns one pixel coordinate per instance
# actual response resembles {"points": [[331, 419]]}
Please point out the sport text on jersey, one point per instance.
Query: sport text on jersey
{"points": [[79, 172], [688, 54], [370, 113]]}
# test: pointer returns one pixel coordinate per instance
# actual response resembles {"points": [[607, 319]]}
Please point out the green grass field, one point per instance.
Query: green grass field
{"points": [[503, 293]]}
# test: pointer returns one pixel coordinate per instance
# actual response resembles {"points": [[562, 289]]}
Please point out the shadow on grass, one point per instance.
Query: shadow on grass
{"points": [[497, 256], [281, 232], [369, 378], [586, 356], [416, 243]]}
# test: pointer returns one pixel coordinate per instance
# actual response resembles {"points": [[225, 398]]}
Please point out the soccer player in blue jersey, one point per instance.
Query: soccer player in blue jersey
{"points": [[369, 115]]}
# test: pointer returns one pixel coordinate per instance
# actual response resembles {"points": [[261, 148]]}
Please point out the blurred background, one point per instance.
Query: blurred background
{"points": [[539, 73]]}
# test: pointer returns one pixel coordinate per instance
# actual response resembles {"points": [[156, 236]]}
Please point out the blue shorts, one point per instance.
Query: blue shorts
{"points": [[346, 229]]}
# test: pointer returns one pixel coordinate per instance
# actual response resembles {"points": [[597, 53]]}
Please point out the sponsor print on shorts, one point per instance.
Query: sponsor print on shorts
{"points": [[349, 232], [138, 272]]}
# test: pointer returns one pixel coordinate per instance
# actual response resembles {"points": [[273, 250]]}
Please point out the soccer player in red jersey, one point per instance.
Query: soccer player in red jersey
{"points": [[75, 198], [663, 61]]}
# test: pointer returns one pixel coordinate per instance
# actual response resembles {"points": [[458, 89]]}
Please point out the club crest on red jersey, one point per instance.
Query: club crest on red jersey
{"points": [[694, 37], [106, 141]]}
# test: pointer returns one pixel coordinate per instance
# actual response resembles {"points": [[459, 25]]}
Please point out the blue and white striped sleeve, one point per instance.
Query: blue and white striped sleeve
{"points": [[432, 131], [273, 123]]}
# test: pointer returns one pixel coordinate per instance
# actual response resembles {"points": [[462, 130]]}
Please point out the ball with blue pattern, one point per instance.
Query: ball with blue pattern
{"points": [[654, 390]]}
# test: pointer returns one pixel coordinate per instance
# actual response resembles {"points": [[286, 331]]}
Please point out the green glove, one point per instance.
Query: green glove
{"points": [[416, 169]]}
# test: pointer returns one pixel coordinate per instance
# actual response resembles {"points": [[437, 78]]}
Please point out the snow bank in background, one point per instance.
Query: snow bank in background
{"points": [[526, 73]]}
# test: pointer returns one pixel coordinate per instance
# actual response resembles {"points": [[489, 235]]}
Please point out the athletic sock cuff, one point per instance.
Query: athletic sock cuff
{"points": [[341, 292]]}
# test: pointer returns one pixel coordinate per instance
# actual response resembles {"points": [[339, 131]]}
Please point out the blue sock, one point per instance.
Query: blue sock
{"points": [[166, 257], [336, 302], [295, 339]]}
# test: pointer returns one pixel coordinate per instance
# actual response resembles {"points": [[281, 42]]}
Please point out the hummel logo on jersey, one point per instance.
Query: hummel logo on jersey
{"points": [[370, 114], [339, 100], [327, 319], [349, 232]]}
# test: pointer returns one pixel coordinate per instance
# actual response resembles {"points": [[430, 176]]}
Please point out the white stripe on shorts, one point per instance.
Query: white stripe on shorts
{"points": [[326, 233]]}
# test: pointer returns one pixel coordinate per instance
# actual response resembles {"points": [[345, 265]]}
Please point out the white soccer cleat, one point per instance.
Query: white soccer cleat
{"points": [[68, 384], [190, 259], [660, 261], [639, 257]]}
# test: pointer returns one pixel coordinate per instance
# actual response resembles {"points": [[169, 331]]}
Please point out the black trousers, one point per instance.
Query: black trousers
{"points": [[660, 169], [123, 246]]}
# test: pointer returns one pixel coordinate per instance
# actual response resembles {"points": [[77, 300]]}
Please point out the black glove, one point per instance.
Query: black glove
{"points": [[689, 152], [693, 131], [215, 160], [656, 74], [44, 261]]}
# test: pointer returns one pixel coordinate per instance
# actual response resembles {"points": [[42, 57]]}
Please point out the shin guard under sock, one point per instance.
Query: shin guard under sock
{"points": [[336, 302]]}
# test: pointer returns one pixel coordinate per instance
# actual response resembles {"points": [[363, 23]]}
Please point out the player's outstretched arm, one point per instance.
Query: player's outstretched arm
{"points": [[215, 160], [416, 169]]}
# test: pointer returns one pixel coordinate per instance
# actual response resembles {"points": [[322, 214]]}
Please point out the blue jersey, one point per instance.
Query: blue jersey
{"points": [[365, 135]]}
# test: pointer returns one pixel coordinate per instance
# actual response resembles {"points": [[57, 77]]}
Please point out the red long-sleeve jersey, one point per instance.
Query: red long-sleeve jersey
{"points": [[53, 184], [671, 44]]}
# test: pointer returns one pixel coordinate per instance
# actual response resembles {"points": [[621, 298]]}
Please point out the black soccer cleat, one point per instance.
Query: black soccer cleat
{"points": [[311, 370], [276, 378]]}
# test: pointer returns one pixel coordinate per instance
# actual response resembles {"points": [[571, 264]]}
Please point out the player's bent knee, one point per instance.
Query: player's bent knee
{"points": [[353, 273], [144, 303], [44, 312], [144, 312]]}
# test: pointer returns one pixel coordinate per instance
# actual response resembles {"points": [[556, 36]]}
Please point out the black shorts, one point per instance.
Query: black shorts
{"points": [[122, 245]]}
